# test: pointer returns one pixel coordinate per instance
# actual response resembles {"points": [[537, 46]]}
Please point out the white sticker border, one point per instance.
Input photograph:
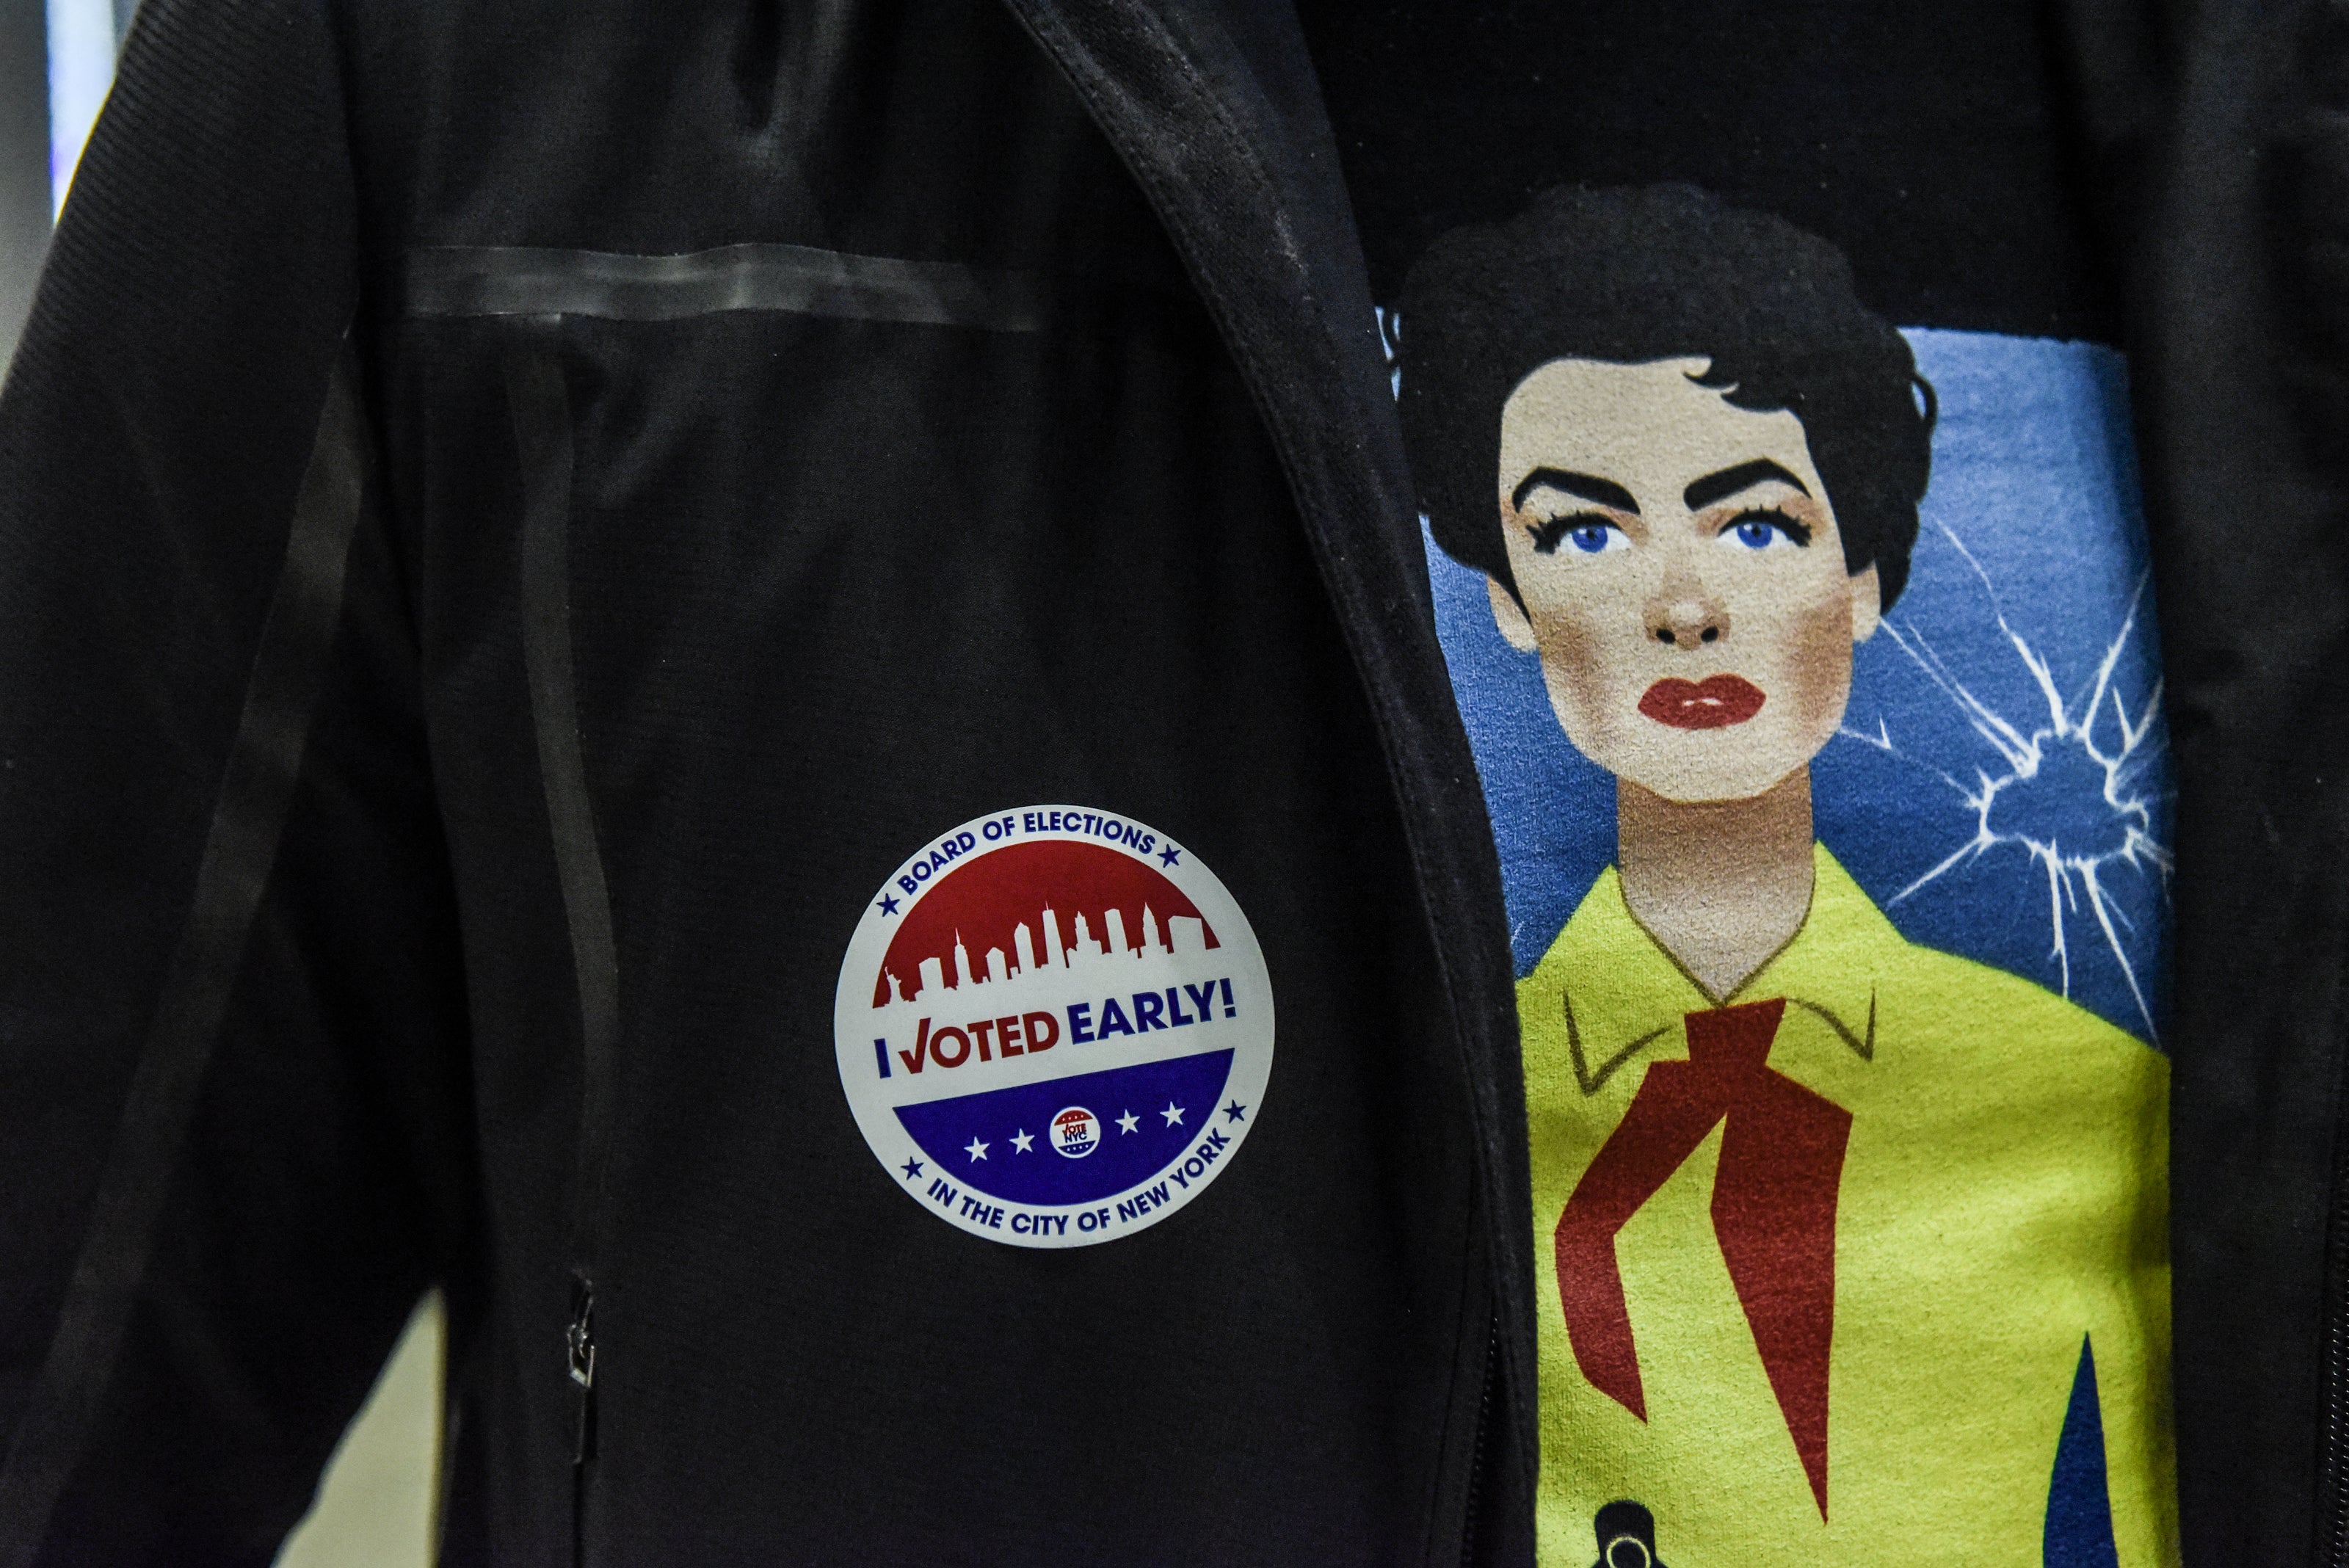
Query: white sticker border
{"points": [[1208, 1154]]}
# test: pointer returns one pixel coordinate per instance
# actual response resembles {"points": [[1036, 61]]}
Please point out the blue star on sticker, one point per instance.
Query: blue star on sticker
{"points": [[1170, 855], [888, 905], [1129, 1121], [976, 1149], [1235, 1110], [912, 1169], [1172, 1113]]}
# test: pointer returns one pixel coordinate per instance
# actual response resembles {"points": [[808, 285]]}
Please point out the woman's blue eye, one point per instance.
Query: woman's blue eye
{"points": [[1763, 529], [1590, 533]]}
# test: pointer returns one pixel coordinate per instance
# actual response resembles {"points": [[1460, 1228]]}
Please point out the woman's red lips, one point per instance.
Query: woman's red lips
{"points": [[1713, 703]]}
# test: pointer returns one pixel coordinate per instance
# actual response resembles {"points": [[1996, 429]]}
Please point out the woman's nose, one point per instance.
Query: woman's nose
{"points": [[1684, 616]]}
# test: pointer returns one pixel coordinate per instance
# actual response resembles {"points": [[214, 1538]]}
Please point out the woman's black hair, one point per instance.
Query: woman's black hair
{"points": [[1665, 271]]}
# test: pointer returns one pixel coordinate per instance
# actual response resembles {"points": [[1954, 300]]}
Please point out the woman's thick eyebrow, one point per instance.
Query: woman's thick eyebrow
{"points": [[1590, 487], [1728, 481]]}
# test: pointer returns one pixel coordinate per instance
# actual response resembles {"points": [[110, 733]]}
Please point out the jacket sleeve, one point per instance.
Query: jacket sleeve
{"points": [[232, 1069]]}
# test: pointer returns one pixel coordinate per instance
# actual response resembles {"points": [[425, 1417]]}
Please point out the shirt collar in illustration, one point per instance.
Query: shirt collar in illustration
{"points": [[1624, 996]]}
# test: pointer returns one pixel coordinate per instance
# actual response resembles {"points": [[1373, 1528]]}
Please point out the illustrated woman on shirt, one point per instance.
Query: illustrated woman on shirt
{"points": [[1857, 1248]]}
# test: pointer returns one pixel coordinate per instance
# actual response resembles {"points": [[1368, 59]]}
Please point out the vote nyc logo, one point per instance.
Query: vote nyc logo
{"points": [[1053, 1026]]}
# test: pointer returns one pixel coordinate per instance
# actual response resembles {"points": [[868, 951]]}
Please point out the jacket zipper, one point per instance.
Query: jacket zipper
{"points": [[539, 403], [579, 1340], [2333, 1486], [1476, 1448]]}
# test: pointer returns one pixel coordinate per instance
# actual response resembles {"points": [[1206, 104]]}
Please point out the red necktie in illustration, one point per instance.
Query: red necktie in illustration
{"points": [[1774, 1212]]}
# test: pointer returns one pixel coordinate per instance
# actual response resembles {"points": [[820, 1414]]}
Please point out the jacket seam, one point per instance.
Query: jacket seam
{"points": [[254, 798]]}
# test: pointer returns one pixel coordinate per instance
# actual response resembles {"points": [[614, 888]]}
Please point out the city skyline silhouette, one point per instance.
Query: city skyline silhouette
{"points": [[1053, 908]]}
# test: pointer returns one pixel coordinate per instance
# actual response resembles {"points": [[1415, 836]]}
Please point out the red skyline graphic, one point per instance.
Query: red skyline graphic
{"points": [[1096, 897]]}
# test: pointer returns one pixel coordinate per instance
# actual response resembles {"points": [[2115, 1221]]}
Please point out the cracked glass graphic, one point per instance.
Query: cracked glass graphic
{"points": [[2000, 786]]}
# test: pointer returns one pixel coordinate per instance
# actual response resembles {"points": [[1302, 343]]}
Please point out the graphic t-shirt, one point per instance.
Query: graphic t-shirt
{"points": [[1784, 530]]}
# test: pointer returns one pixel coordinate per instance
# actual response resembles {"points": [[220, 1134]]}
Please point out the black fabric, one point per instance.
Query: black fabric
{"points": [[2217, 129], [837, 584], [833, 586], [329, 1172], [1934, 145], [540, 408], [1247, 183], [544, 452], [151, 463], [240, 845]]}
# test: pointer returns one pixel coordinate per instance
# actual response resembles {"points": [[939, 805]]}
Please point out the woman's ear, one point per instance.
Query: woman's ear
{"points": [[1510, 616], [1867, 604]]}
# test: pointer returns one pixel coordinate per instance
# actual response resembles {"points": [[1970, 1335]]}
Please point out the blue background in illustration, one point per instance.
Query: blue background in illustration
{"points": [[946, 1129], [2001, 785]]}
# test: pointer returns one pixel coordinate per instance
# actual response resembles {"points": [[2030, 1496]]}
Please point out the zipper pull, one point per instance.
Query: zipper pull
{"points": [[579, 1343]]}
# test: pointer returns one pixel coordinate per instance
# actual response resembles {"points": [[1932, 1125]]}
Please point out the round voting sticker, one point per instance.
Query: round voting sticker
{"points": [[1054, 1026]]}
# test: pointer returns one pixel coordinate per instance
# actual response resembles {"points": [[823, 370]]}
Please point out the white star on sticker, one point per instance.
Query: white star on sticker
{"points": [[1128, 1121], [1172, 1113], [976, 1149], [1023, 1140]]}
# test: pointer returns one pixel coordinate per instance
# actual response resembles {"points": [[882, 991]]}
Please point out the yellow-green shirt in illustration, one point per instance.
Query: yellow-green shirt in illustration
{"points": [[1869, 1264]]}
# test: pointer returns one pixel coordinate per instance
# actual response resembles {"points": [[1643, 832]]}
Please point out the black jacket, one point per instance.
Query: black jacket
{"points": [[462, 679]]}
